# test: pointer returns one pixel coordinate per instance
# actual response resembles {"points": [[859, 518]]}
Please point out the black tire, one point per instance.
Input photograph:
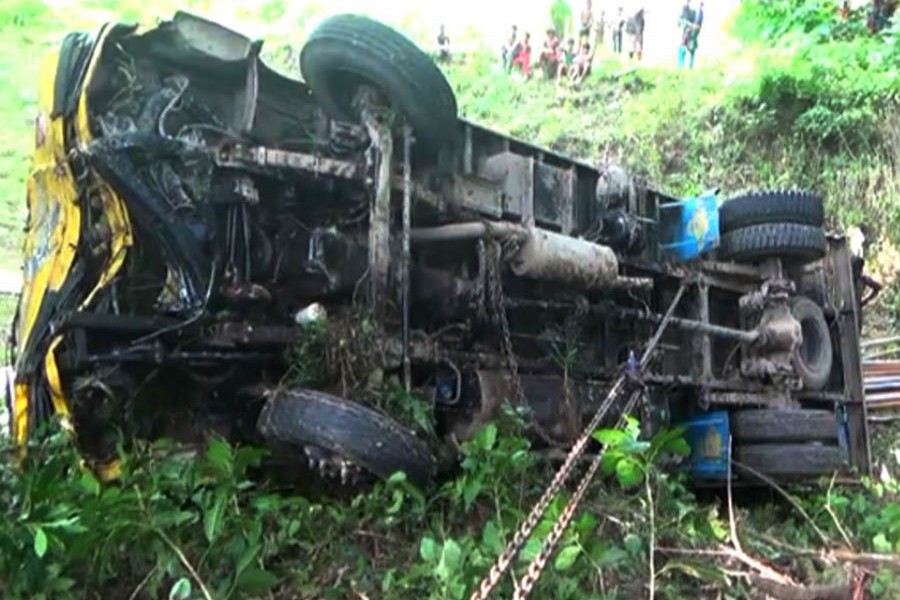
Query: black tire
{"points": [[790, 241], [814, 357], [790, 460], [346, 51], [770, 425], [775, 206], [300, 417]]}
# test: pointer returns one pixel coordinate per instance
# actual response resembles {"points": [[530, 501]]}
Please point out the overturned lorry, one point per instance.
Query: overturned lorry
{"points": [[214, 247]]}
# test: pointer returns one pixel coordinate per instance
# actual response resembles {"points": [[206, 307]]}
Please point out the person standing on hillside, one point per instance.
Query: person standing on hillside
{"points": [[618, 30], [636, 35], [586, 23], [510, 49], [690, 22], [522, 59], [443, 41], [600, 31]]}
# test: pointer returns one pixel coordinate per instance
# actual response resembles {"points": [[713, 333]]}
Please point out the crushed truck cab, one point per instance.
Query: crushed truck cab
{"points": [[214, 247]]}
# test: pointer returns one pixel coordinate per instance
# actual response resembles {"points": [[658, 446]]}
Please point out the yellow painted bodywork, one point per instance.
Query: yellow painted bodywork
{"points": [[54, 228]]}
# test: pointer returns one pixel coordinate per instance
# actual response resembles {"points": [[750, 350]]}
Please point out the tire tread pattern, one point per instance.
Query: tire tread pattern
{"points": [[785, 240], [372, 440], [767, 425], [760, 207], [391, 62], [791, 460]]}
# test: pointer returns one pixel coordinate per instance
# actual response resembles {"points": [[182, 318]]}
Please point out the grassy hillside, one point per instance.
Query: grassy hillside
{"points": [[808, 101]]}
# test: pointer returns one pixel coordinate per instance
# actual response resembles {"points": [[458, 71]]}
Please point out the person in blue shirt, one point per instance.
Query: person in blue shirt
{"points": [[690, 22]]}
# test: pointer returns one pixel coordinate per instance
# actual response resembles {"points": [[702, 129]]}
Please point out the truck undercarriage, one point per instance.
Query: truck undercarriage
{"points": [[213, 247]]}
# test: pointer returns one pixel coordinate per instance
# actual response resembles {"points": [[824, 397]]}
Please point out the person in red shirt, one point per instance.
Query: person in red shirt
{"points": [[522, 59]]}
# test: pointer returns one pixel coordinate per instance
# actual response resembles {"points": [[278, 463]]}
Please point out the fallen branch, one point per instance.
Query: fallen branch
{"points": [[867, 560], [871, 561], [769, 481], [739, 553], [783, 591]]}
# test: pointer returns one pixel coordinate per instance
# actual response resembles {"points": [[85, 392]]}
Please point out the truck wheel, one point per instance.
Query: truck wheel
{"points": [[790, 460], [771, 206], [790, 241], [814, 357], [766, 425], [349, 51], [301, 417]]}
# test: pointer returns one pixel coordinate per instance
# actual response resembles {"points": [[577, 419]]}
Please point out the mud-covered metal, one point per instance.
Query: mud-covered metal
{"points": [[554, 257], [194, 204]]}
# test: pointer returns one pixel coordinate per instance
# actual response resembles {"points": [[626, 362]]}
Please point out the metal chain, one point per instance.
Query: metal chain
{"points": [[499, 568], [525, 585], [498, 305]]}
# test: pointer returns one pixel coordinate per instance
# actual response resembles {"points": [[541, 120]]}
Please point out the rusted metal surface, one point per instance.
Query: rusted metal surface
{"points": [[772, 399], [468, 231], [478, 195], [746, 337], [543, 255], [241, 156], [845, 300], [551, 256], [543, 393], [380, 213]]}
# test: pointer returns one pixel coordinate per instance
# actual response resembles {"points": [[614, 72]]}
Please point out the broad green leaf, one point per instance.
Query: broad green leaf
{"points": [[585, 524], [470, 491], [491, 538], [388, 582], [428, 549], [90, 483], [679, 446], [256, 580], [530, 550], [608, 557], [180, 590], [486, 437], [219, 457], [567, 558], [610, 437], [634, 543], [629, 472], [450, 560], [40, 542]]}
